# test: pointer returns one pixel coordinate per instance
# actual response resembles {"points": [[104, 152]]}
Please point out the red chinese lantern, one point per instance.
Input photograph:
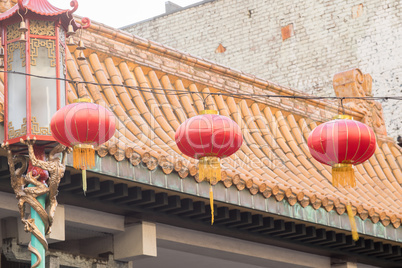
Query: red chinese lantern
{"points": [[342, 143], [83, 125], [209, 137]]}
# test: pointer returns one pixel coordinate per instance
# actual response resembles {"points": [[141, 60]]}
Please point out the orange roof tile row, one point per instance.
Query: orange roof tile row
{"points": [[274, 159]]}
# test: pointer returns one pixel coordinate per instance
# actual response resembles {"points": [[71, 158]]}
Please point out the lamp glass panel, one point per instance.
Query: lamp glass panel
{"points": [[62, 74], [43, 91], [17, 100]]}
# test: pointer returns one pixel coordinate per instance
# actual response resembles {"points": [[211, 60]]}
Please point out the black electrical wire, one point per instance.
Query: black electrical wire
{"points": [[166, 91]]}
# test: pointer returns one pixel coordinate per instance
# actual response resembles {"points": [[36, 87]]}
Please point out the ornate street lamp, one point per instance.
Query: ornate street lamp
{"points": [[34, 37], [34, 40]]}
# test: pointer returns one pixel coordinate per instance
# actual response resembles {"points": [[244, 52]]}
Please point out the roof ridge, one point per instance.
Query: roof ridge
{"points": [[208, 65]]}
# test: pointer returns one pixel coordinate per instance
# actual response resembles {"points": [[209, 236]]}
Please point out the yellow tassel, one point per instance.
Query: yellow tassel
{"points": [[83, 156], [211, 203], [84, 181], [352, 220], [201, 168], [209, 169], [343, 175]]}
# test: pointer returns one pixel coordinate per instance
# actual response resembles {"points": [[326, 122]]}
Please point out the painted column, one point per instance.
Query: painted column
{"points": [[35, 243], [36, 247]]}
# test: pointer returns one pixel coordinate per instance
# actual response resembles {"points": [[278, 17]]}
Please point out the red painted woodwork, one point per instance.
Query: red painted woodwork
{"points": [[44, 8]]}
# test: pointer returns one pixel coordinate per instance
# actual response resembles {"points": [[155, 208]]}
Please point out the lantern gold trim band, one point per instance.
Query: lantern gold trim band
{"points": [[84, 146], [209, 112], [343, 116], [82, 100]]}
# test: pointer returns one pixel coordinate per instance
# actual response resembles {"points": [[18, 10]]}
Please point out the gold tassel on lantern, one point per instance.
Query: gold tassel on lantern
{"points": [[83, 158], [83, 154], [211, 203], [84, 180], [352, 220], [343, 175], [209, 168]]}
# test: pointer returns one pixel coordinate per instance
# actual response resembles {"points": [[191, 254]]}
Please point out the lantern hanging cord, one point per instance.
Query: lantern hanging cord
{"points": [[75, 85], [166, 91], [343, 108], [205, 99]]}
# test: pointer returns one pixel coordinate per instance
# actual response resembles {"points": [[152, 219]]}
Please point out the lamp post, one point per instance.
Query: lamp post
{"points": [[34, 37]]}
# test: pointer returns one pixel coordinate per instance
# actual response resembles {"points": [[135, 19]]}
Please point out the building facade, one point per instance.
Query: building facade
{"points": [[145, 203]]}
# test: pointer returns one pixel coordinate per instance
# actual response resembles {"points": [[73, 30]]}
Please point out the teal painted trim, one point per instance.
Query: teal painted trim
{"points": [[34, 241], [231, 195]]}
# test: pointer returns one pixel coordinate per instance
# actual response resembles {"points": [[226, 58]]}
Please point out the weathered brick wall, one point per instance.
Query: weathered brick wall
{"points": [[327, 37]]}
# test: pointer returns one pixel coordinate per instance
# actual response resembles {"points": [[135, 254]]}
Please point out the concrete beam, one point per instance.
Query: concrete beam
{"points": [[74, 216], [14, 228], [58, 232], [8, 205], [237, 250], [344, 265], [137, 241], [93, 220], [23, 238]]}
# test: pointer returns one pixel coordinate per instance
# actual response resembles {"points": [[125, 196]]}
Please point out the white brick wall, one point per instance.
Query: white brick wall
{"points": [[326, 40]]}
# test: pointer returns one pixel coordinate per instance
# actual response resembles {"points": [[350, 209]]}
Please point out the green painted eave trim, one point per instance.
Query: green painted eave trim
{"points": [[157, 178]]}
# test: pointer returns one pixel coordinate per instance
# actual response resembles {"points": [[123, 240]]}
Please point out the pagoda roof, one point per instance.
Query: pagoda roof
{"points": [[274, 159], [41, 7]]}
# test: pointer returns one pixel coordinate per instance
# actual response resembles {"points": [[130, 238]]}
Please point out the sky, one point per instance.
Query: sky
{"points": [[119, 13]]}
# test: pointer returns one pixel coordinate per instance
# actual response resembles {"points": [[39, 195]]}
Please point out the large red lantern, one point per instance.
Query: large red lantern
{"points": [[209, 137], [342, 143], [83, 125]]}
